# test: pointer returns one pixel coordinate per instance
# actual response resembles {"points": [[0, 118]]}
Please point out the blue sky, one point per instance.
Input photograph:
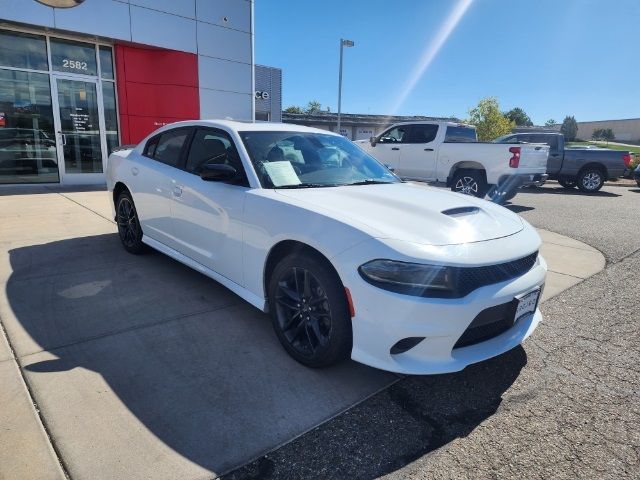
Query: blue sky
{"points": [[550, 57]]}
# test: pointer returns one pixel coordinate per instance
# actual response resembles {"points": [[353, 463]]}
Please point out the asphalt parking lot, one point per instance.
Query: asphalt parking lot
{"points": [[566, 405], [140, 367]]}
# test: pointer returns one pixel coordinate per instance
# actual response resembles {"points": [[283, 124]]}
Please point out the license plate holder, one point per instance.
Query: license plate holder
{"points": [[527, 303]]}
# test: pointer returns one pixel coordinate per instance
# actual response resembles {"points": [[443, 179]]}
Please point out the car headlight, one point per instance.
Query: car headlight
{"points": [[410, 278]]}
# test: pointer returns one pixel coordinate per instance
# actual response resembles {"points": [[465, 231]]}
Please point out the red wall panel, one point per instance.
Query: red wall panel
{"points": [[155, 87]]}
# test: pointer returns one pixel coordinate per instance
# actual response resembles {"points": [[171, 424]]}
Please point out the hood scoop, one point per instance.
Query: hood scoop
{"points": [[455, 212]]}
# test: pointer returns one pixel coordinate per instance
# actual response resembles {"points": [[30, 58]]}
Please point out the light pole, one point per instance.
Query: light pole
{"points": [[343, 43]]}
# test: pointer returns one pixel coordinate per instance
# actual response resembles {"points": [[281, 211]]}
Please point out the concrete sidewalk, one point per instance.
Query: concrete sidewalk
{"points": [[139, 367]]}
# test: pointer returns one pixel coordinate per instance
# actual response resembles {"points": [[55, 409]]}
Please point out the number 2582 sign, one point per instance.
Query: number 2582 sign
{"points": [[75, 64]]}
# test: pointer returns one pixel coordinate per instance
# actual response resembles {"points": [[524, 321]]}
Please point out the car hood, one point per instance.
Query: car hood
{"points": [[411, 212]]}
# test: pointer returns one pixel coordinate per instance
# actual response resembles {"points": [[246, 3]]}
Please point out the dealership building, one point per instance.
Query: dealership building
{"points": [[79, 77]]}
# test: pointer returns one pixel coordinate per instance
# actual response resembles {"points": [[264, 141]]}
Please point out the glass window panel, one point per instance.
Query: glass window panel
{"points": [[27, 138], [110, 115], [79, 125], [73, 57], [21, 50], [106, 62]]}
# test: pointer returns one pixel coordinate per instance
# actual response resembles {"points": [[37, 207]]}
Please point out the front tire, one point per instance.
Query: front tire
{"points": [[590, 180], [129, 228], [309, 311], [470, 182], [568, 184]]}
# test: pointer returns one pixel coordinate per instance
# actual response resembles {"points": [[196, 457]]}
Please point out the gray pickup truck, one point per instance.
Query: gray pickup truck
{"points": [[586, 168]]}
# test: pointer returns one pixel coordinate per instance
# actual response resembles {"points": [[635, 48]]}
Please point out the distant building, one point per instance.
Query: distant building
{"points": [[268, 94], [353, 125], [627, 130]]}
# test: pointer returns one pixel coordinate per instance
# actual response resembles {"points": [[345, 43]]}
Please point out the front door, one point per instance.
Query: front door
{"points": [[418, 156], [79, 130], [389, 146]]}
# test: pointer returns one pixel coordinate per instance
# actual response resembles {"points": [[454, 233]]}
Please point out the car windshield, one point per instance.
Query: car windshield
{"points": [[302, 159]]}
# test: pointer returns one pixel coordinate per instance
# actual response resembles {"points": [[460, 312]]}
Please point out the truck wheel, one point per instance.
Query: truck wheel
{"points": [[568, 184], [470, 182], [590, 180]]}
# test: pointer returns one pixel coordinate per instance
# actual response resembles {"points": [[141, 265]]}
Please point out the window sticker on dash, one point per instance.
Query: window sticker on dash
{"points": [[281, 173]]}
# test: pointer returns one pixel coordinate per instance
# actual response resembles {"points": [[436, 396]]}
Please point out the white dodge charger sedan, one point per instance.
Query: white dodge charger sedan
{"points": [[348, 260]]}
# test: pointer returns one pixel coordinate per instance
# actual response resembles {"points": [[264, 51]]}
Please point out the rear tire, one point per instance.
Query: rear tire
{"points": [[568, 184], [590, 180], [129, 228], [470, 182], [309, 311]]}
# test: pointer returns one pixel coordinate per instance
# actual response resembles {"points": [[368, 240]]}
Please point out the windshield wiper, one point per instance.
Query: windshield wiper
{"points": [[310, 185], [369, 181]]}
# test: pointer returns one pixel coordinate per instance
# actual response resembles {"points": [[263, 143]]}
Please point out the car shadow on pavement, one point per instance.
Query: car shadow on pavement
{"points": [[518, 208], [109, 342], [396, 427], [566, 191]]}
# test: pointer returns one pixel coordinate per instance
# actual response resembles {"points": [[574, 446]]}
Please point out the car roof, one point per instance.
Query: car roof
{"points": [[238, 126], [438, 122]]}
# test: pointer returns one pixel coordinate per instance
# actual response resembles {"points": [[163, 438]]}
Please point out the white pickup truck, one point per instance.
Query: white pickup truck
{"points": [[450, 152]]}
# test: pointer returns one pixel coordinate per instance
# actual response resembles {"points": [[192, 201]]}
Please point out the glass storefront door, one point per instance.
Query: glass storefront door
{"points": [[58, 115], [79, 134]]}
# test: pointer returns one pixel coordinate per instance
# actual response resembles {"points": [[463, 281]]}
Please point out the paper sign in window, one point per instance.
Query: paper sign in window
{"points": [[281, 173]]}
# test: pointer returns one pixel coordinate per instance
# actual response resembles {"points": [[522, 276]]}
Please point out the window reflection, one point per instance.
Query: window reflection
{"points": [[73, 57], [21, 50], [79, 126], [110, 115], [27, 141], [106, 62]]}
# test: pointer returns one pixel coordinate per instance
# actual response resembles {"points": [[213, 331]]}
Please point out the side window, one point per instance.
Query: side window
{"points": [[168, 146], [460, 134], [150, 148], [423, 133], [211, 146], [395, 135]]}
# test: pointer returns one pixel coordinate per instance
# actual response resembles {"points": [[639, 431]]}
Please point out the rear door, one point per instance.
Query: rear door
{"points": [[418, 155], [153, 175], [389, 144]]}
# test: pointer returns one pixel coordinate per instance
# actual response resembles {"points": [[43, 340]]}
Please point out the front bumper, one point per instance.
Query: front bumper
{"points": [[383, 318]]}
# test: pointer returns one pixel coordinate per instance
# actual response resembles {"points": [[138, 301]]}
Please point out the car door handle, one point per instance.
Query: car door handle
{"points": [[395, 148], [135, 171], [177, 191], [555, 154], [428, 149]]}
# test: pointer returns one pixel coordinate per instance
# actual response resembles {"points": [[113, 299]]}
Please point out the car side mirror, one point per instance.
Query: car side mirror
{"points": [[217, 172], [373, 141]]}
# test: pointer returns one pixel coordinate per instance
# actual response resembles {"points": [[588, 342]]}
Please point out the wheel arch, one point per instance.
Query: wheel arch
{"points": [[594, 165], [118, 188], [284, 248], [465, 165]]}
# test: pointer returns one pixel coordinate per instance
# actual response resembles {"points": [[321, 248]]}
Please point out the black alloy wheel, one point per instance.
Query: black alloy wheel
{"points": [[309, 311], [129, 228]]}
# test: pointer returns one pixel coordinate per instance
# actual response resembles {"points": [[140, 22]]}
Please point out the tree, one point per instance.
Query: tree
{"points": [[608, 135], [597, 134], [293, 109], [550, 123], [313, 106], [569, 128], [519, 117], [490, 123]]}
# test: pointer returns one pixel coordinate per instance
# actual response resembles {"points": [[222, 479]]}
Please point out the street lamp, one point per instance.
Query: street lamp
{"points": [[343, 43]]}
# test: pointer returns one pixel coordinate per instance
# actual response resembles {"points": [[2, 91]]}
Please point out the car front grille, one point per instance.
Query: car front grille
{"points": [[489, 323], [471, 278]]}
